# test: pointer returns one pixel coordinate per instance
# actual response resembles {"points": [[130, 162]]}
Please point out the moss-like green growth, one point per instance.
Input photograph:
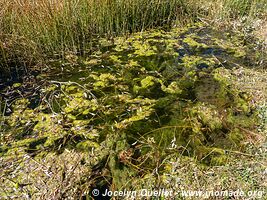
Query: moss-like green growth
{"points": [[190, 40], [147, 96]]}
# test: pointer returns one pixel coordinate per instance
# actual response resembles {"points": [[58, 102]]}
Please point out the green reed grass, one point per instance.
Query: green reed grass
{"points": [[71, 24]]}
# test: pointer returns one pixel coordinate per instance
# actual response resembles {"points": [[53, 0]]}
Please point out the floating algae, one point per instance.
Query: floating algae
{"points": [[135, 101]]}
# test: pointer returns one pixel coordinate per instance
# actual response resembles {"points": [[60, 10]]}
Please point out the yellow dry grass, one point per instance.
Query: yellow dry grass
{"points": [[253, 81]]}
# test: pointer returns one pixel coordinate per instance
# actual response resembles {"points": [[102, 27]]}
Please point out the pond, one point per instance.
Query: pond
{"points": [[157, 91]]}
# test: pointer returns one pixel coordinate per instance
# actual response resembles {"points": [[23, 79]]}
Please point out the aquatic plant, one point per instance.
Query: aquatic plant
{"points": [[134, 103]]}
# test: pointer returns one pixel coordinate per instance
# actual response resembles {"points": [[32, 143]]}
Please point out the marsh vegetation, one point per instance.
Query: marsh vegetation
{"points": [[110, 94]]}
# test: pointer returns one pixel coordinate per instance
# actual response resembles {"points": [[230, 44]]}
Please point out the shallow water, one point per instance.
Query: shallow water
{"points": [[135, 86], [126, 107]]}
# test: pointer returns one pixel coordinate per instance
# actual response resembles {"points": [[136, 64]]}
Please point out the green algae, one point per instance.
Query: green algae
{"points": [[190, 40], [150, 90], [137, 57]]}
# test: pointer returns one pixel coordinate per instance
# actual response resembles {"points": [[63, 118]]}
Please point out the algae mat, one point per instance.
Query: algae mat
{"points": [[156, 109]]}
